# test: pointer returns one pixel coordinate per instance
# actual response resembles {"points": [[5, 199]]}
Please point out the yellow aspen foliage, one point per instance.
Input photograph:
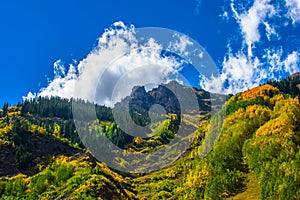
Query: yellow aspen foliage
{"points": [[56, 130], [7, 129], [255, 111], [180, 190], [281, 126], [197, 178], [231, 119], [290, 106], [263, 141], [236, 121], [285, 118], [20, 175], [138, 140], [41, 130], [265, 90], [275, 99], [12, 108], [170, 173], [32, 128], [15, 113]]}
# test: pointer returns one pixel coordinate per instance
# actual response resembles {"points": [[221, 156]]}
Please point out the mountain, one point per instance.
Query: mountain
{"points": [[140, 101], [169, 96], [257, 155], [290, 85]]}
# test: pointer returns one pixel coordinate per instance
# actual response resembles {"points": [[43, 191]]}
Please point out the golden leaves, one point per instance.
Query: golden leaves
{"points": [[265, 90], [286, 116]]}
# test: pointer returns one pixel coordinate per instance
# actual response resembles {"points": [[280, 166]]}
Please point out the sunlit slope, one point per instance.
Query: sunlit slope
{"points": [[258, 151], [257, 155]]}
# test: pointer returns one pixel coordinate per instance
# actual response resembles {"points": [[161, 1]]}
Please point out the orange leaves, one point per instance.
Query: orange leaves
{"points": [[265, 90]]}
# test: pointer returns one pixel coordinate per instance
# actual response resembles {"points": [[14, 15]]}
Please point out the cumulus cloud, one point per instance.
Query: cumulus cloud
{"points": [[108, 72], [239, 73], [62, 85], [118, 63]]}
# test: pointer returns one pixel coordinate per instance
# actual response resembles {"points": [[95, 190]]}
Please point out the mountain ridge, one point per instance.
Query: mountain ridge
{"points": [[259, 142]]}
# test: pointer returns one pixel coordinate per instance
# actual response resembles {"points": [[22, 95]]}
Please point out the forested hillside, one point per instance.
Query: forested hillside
{"points": [[256, 157]]}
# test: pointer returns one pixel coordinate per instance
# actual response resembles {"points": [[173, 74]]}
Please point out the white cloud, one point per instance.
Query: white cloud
{"points": [[293, 7], [123, 62], [291, 63], [201, 54], [270, 31], [279, 66], [250, 20], [181, 44], [155, 69], [212, 84], [224, 15], [242, 69], [273, 60], [241, 72], [30, 96], [62, 85], [59, 69], [118, 57]]}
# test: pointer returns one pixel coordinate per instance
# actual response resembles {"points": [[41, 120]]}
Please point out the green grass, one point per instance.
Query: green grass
{"points": [[252, 191]]}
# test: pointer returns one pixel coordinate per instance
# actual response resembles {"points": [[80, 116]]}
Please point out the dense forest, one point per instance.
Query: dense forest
{"points": [[257, 155]]}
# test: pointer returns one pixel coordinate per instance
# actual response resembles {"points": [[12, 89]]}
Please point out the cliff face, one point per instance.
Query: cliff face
{"points": [[169, 96], [141, 101]]}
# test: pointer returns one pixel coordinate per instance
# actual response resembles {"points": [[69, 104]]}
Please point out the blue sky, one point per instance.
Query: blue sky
{"points": [[35, 34]]}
